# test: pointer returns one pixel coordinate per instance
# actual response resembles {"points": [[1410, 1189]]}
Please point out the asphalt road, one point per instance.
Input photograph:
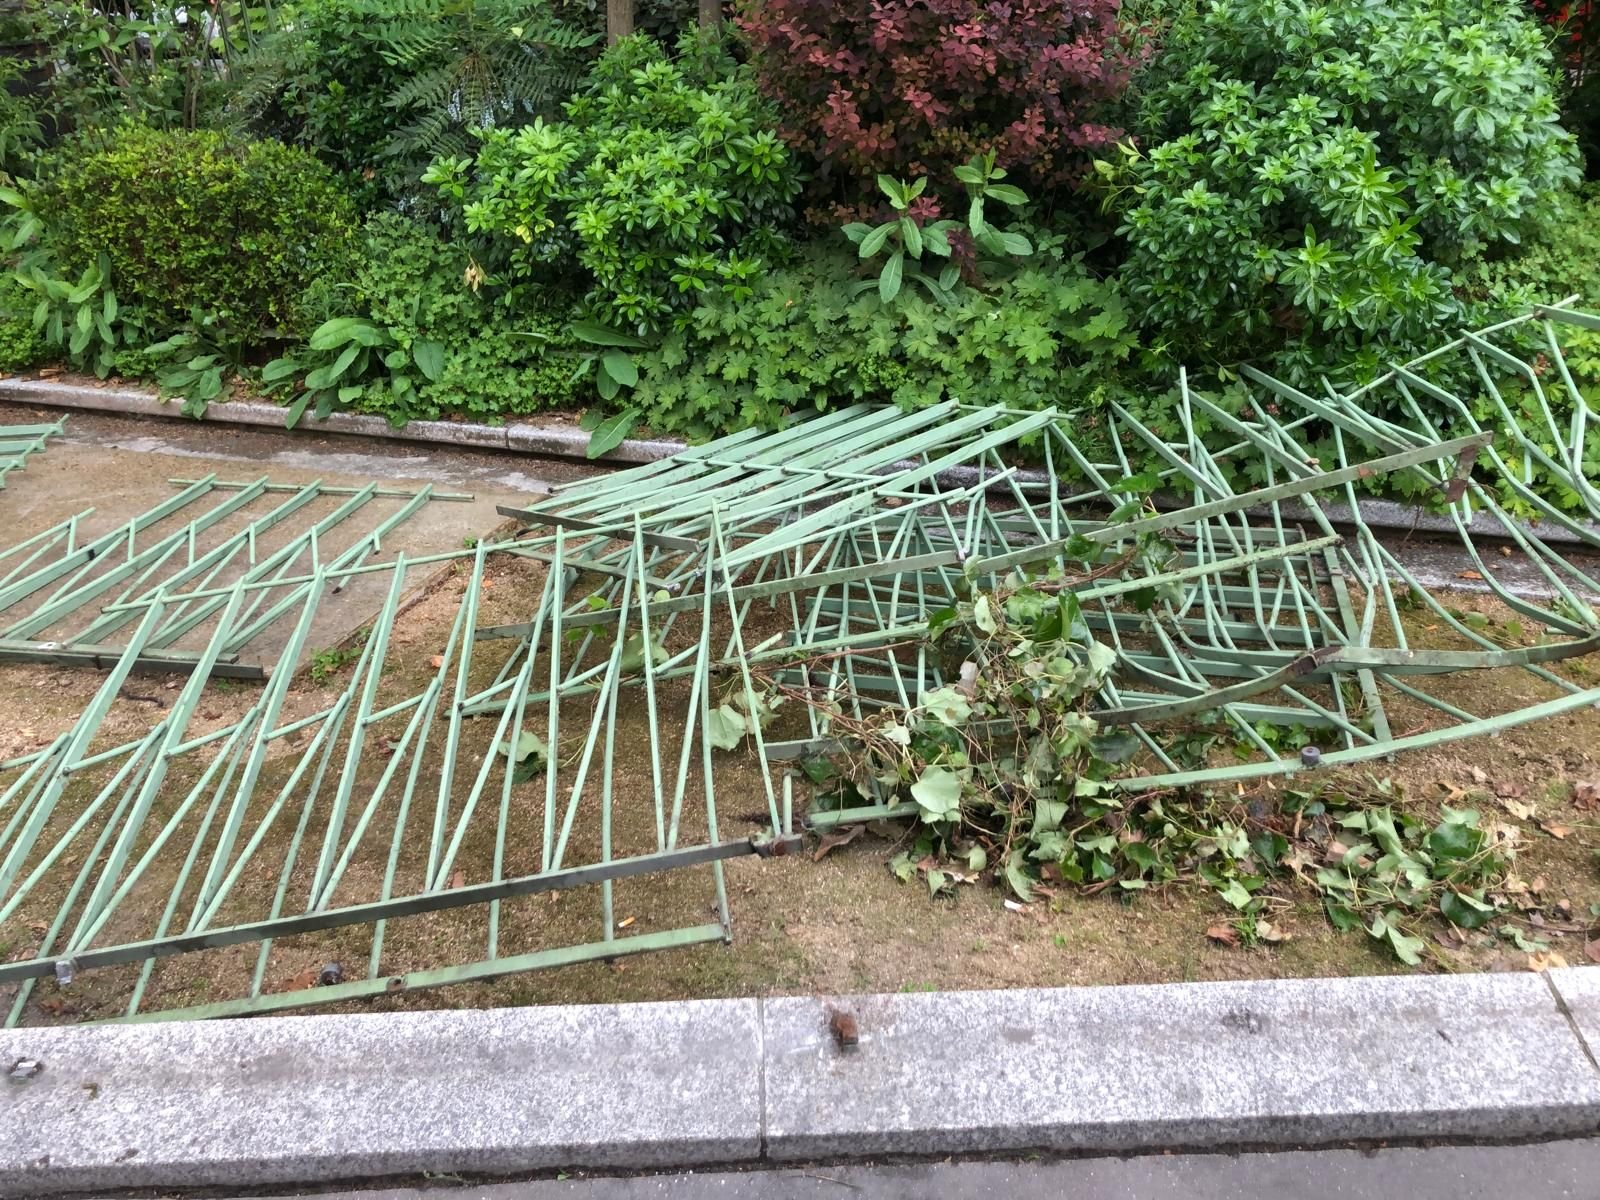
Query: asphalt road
{"points": [[1566, 1170]]}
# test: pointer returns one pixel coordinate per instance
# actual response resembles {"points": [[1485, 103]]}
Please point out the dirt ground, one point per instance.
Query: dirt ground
{"points": [[803, 925]]}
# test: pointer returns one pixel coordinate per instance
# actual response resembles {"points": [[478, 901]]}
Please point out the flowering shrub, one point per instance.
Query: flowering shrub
{"points": [[916, 87]]}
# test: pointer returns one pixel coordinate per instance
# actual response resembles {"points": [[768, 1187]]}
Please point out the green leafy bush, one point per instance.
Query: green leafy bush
{"points": [[21, 344], [435, 345], [658, 188], [187, 221], [1312, 175], [809, 338]]}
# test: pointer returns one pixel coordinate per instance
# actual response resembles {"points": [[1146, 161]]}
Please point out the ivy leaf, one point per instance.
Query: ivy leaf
{"points": [[983, 616], [903, 867], [1017, 879], [1117, 746], [1101, 659], [1465, 910], [726, 727], [1236, 894], [947, 706], [938, 794]]}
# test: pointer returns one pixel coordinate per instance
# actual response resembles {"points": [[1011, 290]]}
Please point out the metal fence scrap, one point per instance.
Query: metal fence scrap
{"points": [[20, 442], [67, 597], [591, 736]]}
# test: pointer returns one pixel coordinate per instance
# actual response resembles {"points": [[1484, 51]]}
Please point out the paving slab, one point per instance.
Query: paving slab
{"points": [[318, 1099], [1109, 1069]]}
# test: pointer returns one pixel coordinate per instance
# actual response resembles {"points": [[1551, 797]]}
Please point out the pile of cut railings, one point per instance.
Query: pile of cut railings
{"points": [[510, 797]]}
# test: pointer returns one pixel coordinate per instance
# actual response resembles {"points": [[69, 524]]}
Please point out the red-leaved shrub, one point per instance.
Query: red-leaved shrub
{"points": [[913, 87]]}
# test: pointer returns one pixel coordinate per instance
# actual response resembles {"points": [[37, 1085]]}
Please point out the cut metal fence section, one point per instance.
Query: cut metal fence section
{"points": [[70, 598], [387, 803], [18, 443], [581, 743]]}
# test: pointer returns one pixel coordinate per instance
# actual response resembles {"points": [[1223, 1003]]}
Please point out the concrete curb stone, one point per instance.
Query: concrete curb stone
{"points": [[568, 441], [284, 1100], [1290, 1062], [311, 1100]]}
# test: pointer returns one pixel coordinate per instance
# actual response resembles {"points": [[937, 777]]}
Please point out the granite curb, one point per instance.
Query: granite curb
{"points": [[568, 441], [1204, 1066]]}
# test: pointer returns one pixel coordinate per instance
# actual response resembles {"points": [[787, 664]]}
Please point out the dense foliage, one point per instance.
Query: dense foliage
{"points": [[189, 221], [1312, 188], [438, 345], [1309, 177], [379, 87], [807, 338], [918, 86], [658, 187]]}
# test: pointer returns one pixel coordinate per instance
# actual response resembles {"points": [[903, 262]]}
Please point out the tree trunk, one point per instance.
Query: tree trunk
{"points": [[710, 13], [619, 19]]}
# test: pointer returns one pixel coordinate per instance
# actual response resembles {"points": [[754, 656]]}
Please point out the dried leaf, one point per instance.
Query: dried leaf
{"points": [[1509, 789], [1522, 812], [457, 880], [831, 841], [1268, 932], [1586, 795], [437, 660], [1593, 950], [1468, 575], [306, 979], [1544, 960], [1479, 776], [1558, 832], [1224, 933]]}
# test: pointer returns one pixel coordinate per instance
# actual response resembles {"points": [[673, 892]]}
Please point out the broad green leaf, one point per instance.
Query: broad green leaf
{"points": [[596, 334], [324, 377], [297, 410], [611, 433], [429, 357], [278, 370], [621, 367], [873, 242], [1006, 194], [889, 280], [341, 331]]}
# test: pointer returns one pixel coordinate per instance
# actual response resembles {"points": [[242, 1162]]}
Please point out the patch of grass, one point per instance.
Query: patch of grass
{"points": [[329, 661]]}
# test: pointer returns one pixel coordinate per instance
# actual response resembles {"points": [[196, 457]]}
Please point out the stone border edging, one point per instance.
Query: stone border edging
{"points": [[312, 1100], [568, 441]]}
